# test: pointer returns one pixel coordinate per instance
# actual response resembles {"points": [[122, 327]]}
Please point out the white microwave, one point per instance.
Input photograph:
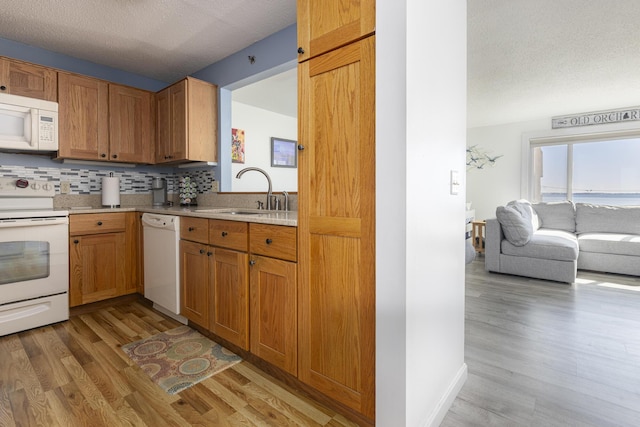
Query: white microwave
{"points": [[28, 124]]}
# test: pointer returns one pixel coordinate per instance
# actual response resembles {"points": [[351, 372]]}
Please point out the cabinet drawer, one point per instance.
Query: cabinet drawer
{"points": [[229, 234], [96, 223], [274, 241], [194, 229]]}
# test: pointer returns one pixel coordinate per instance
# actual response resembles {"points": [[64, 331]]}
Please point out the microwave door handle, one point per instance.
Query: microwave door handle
{"points": [[33, 138]]}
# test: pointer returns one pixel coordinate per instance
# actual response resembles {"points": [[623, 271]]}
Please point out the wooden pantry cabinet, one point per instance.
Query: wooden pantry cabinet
{"points": [[25, 79], [214, 283], [104, 121], [336, 220], [187, 122], [103, 256], [325, 25]]}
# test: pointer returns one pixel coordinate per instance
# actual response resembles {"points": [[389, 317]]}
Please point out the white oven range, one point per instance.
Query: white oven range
{"points": [[34, 256]]}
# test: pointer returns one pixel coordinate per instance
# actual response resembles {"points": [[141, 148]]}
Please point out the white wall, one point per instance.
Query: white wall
{"points": [[420, 138], [259, 126], [491, 187]]}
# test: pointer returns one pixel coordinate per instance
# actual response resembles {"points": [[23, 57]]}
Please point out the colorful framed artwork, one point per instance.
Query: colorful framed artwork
{"points": [[237, 146]]}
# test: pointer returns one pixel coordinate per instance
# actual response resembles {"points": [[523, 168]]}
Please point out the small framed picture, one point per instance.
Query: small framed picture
{"points": [[283, 153]]}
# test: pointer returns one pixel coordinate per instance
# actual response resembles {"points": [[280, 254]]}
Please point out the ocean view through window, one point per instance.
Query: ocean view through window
{"points": [[592, 171]]}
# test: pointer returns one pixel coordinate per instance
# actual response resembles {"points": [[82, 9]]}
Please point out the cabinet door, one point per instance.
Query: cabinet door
{"points": [[230, 297], [194, 282], [273, 312], [130, 125], [178, 119], [84, 117], [163, 126], [327, 25], [97, 266], [24, 79], [202, 132], [336, 224]]}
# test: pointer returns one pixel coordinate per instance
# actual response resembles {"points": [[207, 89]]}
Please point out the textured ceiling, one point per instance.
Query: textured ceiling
{"points": [[161, 39], [527, 59], [532, 59]]}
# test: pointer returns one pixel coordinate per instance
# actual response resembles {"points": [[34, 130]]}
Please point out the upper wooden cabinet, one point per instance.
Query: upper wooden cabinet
{"points": [[187, 122], [130, 124], [336, 224], [327, 25], [24, 79], [103, 121], [83, 112]]}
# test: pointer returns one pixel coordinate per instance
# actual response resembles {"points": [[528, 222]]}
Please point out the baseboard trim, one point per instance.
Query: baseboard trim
{"points": [[447, 399]]}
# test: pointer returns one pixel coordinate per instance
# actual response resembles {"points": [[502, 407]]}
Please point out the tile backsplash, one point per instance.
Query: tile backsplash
{"points": [[86, 181]]}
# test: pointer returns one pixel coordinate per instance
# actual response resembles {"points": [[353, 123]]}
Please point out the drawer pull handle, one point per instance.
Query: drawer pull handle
{"points": [[209, 253], [191, 228], [269, 241], [99, 222], [202, 251], [224, 234], [252, 262], [76, 241]]}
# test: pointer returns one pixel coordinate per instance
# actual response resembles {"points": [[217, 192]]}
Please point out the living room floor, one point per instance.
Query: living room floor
{"points": [[542, 353]]}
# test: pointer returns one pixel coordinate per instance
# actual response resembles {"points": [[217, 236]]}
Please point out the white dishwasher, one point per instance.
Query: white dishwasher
{"points": [[162, 263]]}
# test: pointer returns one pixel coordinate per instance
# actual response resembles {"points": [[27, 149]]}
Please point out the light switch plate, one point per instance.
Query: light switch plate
{"points": [[455, 182]]}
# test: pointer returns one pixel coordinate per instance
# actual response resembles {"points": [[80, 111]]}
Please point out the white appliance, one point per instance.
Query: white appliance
{"points": [[162, 263], [34, 256], [28, 124]]}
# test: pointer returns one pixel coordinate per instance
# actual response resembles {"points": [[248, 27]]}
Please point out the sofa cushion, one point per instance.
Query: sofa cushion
{"points": [[610, 243], [546, 244], [557, 215], [607, 219], [517, 221]]}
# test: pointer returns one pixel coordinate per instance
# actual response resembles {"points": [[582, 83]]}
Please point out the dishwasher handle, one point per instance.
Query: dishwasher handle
{"points": [[165, 222]]}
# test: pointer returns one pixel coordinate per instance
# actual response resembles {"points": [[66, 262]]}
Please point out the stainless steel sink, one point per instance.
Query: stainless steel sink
{"points": [[233, 211], [244, 213]]}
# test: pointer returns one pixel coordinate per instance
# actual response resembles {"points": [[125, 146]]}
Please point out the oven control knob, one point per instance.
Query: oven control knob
{"points": [[22, 183], [35, 186], [46, 186]]}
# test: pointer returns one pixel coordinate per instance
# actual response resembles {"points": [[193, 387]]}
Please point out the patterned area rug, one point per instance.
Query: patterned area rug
{"points": [[179, 358]]}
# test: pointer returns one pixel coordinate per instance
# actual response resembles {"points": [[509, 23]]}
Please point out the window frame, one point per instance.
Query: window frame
{"points": [[567, 136]]}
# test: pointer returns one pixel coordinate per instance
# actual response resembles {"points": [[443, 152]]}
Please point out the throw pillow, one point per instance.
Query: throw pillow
{"points": [[516, 221]]}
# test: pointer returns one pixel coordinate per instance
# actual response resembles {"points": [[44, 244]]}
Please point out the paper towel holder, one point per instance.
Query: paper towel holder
{"points": [[110, 191]]}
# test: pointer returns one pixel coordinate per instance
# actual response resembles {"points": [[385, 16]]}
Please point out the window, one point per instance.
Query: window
{"points": [[603, 171]]}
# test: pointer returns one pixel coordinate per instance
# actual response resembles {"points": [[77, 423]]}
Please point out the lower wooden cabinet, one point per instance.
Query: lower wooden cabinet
{"points": [[96, 267], [273, 291], [229, 301], [103, 256], [214, 280], [194, 282]]}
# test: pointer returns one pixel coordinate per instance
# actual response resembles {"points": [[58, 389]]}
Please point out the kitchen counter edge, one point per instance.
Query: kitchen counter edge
{"points": [[286, 218]]}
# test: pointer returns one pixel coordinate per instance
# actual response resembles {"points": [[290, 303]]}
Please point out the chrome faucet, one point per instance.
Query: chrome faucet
{"points": [[286, 200], [269, 192]]}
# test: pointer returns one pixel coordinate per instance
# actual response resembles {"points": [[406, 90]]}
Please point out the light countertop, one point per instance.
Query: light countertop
{"points": [[286, 218]]}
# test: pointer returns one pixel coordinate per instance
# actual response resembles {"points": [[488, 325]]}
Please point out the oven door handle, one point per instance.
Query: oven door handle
{"points": [[13, 223]]}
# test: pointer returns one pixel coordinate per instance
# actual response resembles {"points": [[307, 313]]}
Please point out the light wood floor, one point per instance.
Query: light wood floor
{"points": [[550, 354], [75, 374]]}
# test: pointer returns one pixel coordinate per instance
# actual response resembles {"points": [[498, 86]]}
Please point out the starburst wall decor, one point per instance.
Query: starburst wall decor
{"points": [[479, 158]]}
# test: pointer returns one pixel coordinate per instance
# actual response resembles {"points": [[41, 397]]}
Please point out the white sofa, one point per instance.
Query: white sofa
{"points": [[552, 240]]}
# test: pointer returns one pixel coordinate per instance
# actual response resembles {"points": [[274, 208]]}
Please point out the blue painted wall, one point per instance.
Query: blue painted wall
{"points": [[273, 54]]}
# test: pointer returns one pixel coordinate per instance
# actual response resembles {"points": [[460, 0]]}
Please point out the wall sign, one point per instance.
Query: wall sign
{"points": [[596, 118]]}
